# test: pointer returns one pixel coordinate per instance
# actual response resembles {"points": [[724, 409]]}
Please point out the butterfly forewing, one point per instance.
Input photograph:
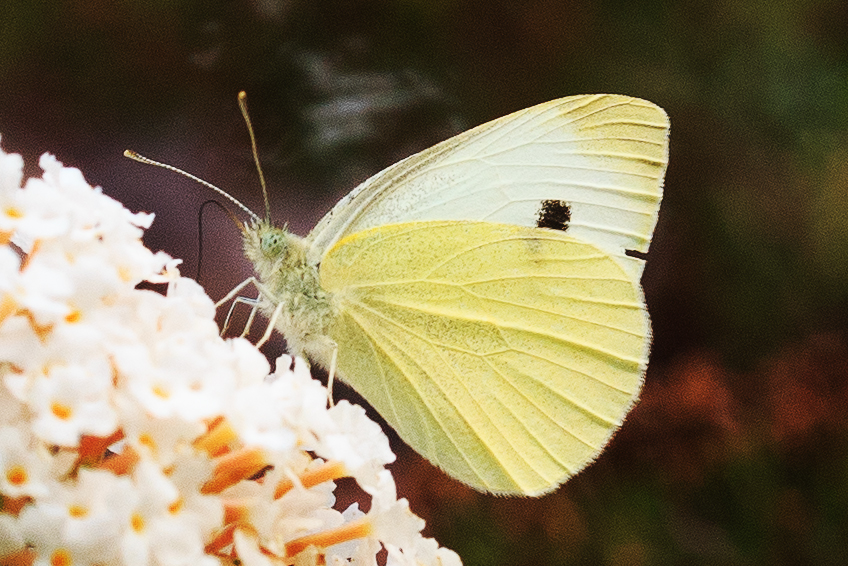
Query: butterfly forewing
{"points": [[602, 156], [506, 355]]}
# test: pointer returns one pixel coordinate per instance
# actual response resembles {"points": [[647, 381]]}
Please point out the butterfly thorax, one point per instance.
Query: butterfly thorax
{"points": [[287, 279]]}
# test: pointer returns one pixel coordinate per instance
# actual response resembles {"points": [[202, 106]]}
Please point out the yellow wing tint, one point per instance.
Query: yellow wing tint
{"points": [[506, 355], [604, 156]]}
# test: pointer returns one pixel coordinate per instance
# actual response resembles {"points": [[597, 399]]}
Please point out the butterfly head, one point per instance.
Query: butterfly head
{"points": [[272, 242], [270, 248]]}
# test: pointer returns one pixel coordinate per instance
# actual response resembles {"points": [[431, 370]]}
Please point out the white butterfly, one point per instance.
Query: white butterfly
{"points": [[480, 294]]}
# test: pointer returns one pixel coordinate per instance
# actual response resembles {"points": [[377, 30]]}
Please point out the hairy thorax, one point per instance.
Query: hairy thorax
{"points": [[288, 282]]}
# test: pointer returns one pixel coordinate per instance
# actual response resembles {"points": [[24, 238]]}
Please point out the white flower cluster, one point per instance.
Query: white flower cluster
{"points": [[132, 434]]}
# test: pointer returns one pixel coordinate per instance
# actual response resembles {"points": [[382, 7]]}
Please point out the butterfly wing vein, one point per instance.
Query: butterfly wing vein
{"points": [[604, 155], [485, 352]]}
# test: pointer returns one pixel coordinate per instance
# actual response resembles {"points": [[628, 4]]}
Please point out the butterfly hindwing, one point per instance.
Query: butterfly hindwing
{"points": [[506, 355]]}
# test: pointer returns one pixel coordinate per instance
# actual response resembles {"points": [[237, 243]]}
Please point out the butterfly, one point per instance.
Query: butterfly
{"points": [[484, 294]]}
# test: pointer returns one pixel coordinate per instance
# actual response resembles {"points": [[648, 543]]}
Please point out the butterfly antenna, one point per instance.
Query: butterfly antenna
{"points": [[141, 159], [242, 99]]}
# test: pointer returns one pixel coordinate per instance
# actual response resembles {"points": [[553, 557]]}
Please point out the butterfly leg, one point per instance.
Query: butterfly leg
{"points": [[236, 290], [332, 374], [263, 291], [271, 324], [254, 303], [254, 306], [245, 300]]}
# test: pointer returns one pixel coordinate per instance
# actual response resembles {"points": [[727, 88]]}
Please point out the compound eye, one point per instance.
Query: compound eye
{"points": [[272, 244]]}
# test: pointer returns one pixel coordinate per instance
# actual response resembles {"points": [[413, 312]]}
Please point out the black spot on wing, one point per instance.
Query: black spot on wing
{"points": [[554, 214], [637, 254]]}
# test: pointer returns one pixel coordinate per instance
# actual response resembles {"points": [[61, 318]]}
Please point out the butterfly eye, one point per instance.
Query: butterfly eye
{"points": [[272, 243]]}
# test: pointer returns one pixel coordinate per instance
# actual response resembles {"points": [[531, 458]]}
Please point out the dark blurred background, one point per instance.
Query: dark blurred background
{"points": [[738, 451]]}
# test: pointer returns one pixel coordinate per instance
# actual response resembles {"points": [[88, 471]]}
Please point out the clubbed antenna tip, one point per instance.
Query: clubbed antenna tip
{"points": [[242, 99], [141, 159]]}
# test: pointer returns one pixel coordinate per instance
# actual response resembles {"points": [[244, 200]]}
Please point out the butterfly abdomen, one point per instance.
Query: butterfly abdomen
{"points": [[287, 279]]}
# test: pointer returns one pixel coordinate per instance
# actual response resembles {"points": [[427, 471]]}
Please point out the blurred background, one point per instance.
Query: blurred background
{"points": [[738, 450]]}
